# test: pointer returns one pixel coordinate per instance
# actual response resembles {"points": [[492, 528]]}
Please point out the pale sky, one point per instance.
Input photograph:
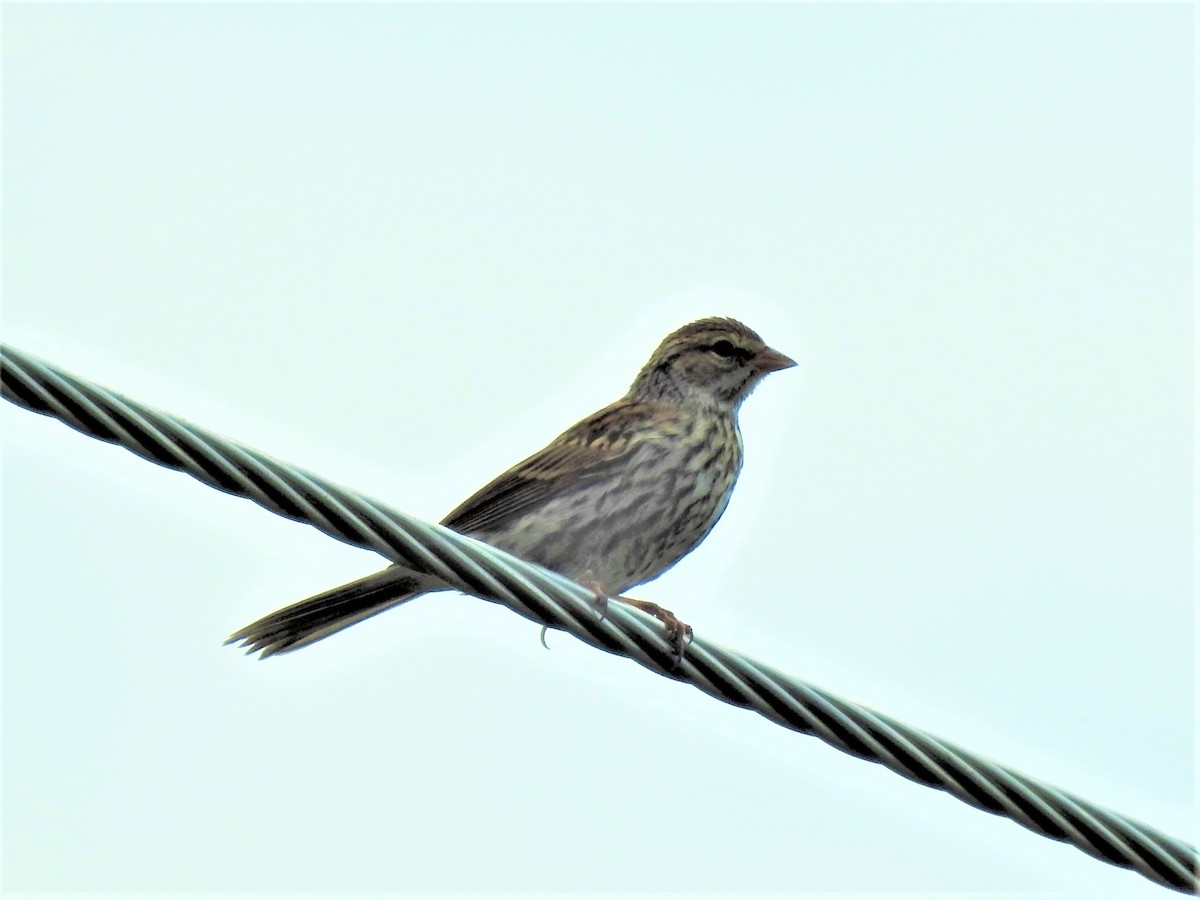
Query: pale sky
{"points": [[405, 245]]}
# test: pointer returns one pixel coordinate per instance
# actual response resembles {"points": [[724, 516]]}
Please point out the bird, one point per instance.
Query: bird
{"points": [[613, 502]]}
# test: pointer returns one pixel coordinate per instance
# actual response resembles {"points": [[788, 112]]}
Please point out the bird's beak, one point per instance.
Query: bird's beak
{"points": [[772, 361]]}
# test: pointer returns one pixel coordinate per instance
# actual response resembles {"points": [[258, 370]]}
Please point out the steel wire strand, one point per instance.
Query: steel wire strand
{"points": [[547, 598]]}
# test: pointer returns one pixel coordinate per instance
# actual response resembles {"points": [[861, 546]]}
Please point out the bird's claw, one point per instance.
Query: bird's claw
{"points": [[679, 637], [599, 596], [679, 633], [599, 603]]}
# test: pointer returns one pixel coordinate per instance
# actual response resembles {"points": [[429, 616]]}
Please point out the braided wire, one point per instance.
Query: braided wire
{"points": [[545, 597]]}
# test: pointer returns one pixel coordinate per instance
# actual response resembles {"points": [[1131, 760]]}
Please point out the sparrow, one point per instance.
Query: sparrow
{"points": [[613, 502]]}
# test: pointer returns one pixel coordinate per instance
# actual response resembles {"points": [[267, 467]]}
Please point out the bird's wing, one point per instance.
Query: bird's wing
{"points": [[593, 449]]}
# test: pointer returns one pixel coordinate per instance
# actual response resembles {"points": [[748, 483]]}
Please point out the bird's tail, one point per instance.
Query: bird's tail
{"points": [[318, 617]]}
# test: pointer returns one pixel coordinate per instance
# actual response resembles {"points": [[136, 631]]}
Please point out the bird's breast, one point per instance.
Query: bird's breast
{"points": [[637, 522]]}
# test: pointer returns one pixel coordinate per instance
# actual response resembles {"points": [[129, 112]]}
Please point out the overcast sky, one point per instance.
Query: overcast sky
{"points": [[404, 246]]}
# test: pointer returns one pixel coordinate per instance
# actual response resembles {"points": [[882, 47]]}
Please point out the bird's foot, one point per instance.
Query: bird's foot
{"points": [[679, 633], [599, 595], [599, 603]]}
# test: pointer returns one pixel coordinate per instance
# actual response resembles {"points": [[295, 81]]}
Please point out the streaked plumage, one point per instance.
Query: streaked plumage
{"points": [[613, 502]]}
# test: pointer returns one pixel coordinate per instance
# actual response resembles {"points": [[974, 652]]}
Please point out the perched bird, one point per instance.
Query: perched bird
{"points": [[612, 502]]}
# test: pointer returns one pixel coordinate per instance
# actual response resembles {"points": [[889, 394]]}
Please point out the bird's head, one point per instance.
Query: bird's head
{"points": [[708, 362]]}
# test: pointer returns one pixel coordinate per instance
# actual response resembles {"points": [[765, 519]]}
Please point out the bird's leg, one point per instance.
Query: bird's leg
{"points": [[599, 601], [599, 594], [679, 633]]}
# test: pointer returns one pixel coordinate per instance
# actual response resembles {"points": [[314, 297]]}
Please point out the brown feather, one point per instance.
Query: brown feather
{"points": [[591, 450], [615, 500]]}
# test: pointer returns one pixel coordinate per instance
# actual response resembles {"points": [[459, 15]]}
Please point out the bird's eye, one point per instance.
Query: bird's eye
{"points": [[724, 348]]}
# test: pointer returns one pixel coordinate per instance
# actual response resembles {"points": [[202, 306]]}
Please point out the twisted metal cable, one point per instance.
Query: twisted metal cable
{"points": [[548, 598]]}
